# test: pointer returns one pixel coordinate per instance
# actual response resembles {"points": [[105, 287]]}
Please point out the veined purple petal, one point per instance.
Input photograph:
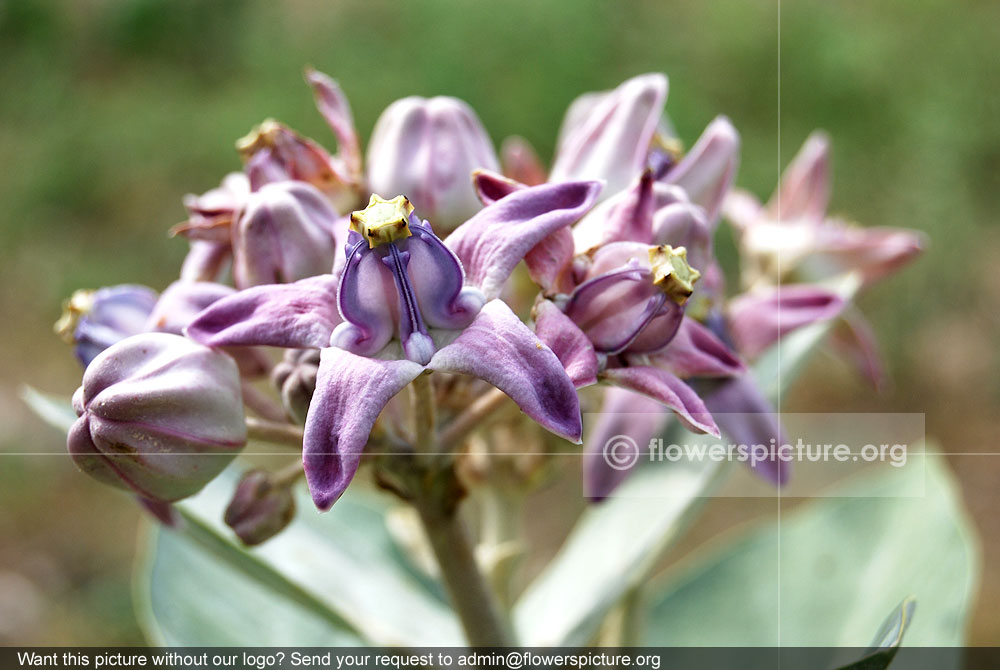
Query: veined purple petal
{"points": [[696, 352], [568, 342], [350, 393], [667, 389], [623, 412], [369, 303], [708, 170], [493, 242], [747, 418], [300, 315], [498, 348], [608, 136], [757, 320], [438, 281], [804, 191]]}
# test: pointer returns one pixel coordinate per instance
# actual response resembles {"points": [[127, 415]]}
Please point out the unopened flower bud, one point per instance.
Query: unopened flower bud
{"points": [[94, 320], [426, 149], [261, 507], [284, 234], [295, 377], [159, 415]]}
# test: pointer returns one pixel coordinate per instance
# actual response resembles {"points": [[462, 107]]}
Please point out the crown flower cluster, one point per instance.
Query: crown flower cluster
{"points": [[477, 282]]}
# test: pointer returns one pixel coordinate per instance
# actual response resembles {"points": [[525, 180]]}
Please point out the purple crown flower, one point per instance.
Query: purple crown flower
{"points": [[407, 303]]}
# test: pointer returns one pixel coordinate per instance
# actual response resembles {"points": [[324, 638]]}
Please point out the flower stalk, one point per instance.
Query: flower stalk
{"points": [[274, 432]]}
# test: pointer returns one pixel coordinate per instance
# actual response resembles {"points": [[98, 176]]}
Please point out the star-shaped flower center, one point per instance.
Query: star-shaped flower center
{"points": [[672, 273], [383, 221]]}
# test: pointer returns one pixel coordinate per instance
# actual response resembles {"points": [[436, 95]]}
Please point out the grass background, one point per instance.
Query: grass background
{"points": [[110, 110]]}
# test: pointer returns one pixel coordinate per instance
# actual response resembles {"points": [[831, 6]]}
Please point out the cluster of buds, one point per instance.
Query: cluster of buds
{"points": [[369, 299]]}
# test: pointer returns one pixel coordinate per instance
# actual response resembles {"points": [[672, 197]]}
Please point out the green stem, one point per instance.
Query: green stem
{"points": [[474, 602], [274, 432]]}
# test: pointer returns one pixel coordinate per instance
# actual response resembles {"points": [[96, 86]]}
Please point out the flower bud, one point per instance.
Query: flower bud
{"points": [[295, 377], [284, 234], [261, 507], [159, 415], [94, 320], [426, 149]]}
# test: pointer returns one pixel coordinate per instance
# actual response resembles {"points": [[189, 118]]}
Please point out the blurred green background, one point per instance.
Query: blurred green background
{"points": [[111, 110]]}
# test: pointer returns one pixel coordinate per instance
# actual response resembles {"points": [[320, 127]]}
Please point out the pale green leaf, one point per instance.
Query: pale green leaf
{"points": [[341, 567], [57, 411], [826, 574]]}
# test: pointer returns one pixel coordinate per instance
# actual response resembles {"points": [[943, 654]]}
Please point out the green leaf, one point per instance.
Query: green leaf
{"points": [[824, 574], [341, 568], [609, 552], [194, 597], [887, 640], [57, 411]]}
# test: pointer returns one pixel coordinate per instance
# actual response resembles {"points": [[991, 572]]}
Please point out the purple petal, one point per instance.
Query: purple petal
{"points": [[805, 186], [667, 389], [439, 282], [874, 252], [608, 136], [757, 320], [350, 393], [333, 105], [707, 171], [300, 315], [747, 418], [631, 218], [498, 348], [696, 352], [568, 342], [368, 301], [492, 186], [494, 241], [623, 412]]}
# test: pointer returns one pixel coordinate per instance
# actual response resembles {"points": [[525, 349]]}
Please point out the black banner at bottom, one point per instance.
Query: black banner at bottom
{"points": [[389, 658]]}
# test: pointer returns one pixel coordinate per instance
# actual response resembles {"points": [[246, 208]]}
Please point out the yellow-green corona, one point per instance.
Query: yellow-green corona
{"points": [[261, 137], [672, 273], [79, 304], [383, 221]]}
